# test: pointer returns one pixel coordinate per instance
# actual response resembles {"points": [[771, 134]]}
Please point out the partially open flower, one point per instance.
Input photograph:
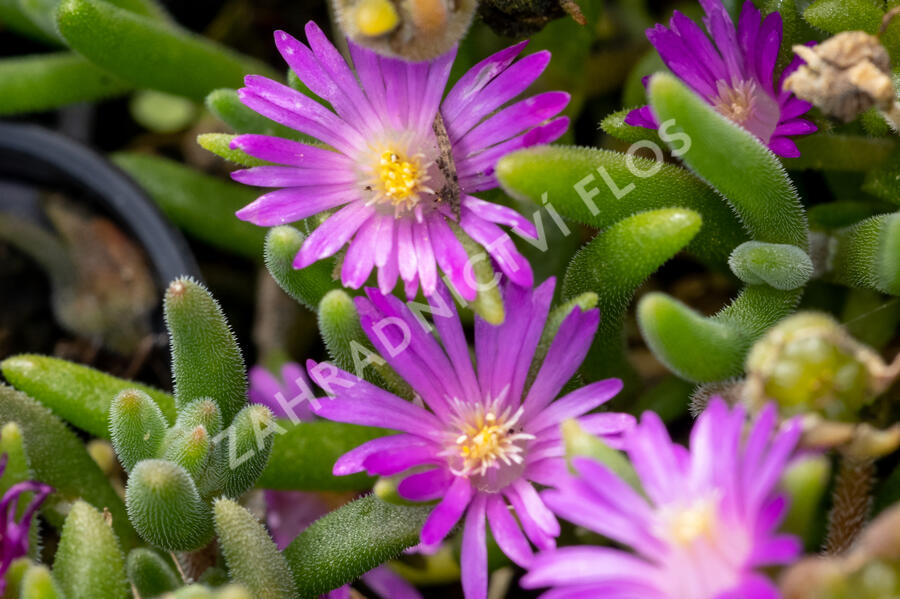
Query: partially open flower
{"points": [[844, 75]]}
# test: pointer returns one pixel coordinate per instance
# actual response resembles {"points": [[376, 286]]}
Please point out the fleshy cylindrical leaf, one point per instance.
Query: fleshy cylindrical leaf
{"points": [[76, 393], [189, 447], [89, 563], [779, 265], [137, 427], [37, 583], [308, 285], [206, 358], [150, 573], [252, 557], [165, 507], [249, 444]]}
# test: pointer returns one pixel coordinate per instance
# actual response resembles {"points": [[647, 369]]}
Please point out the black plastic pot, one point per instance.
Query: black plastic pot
{"points": [[40, 158]]}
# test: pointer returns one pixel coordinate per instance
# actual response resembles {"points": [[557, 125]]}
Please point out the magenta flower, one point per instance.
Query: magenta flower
{"points": [[734, 73], [14, 534], [382, 171], [480, 438], [705, 528], [288, 513]]}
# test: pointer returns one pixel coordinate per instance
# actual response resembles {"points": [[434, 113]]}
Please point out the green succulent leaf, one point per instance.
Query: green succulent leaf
{"points": [[201, 205], [150, 54], [252, 557], [707, 349], [189, 447], [48, 81], [488, 304], [868, 254], [206, 358], [805, 481], [43, 12], [350, 541], [302, 458], [309, 285], [89, 563], [883, 180], [201, 412], [14, 19], [76, 393], [727, 156], [580, 443], [600, 187], [38, 583], [137, 427], [835, 16], [150, 573], [165, 507], [780, 265], [220, 145], [249, 444], [614, 124], [225, 104], [58, 458], [613, 266]]}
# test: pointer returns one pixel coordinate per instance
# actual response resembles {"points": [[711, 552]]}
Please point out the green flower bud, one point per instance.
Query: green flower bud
{"points": [[809, 363]]}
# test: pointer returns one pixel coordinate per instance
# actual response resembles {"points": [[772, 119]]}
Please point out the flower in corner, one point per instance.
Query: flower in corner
{"points": [[14, 534], [734, 73], [478, 438], [705, 526], [394, 173]]}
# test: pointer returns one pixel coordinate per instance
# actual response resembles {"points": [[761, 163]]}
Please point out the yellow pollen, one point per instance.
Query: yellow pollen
{"points": [[686, 525], [376, 17], [399, 178]]}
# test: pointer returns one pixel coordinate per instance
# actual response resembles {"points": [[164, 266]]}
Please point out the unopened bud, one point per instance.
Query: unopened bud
{"points": [[808, 363]]}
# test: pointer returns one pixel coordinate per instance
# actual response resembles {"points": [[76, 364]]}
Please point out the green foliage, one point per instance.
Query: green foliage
{"points": [[702, 349], [488, 304], [201, 412], [201, 205], [805, 481], [137, 427], [189, 447], [249, 444], [252, 557], [47, 81], [727, 156], [350, 541], [206, 358], [868, 254], [165, 507], [597, 188], [37, 583], [613, 266], [225, 104], [309, 285], [150, 573], [614, 124], [795, 29], [76, 393], [847, 153], [12, 18], [43, 12], [220, 145], [302, 457], [780, 265], [883, 180], [835, 16], [58, 458], [89, 563], [17, 470], [582, 444], [148, 53]]}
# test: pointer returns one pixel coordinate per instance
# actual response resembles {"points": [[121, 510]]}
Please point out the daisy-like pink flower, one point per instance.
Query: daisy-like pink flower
{"points": [[383, 171], [734, 72], [706, 527], [288, 513], [13, 533], [479, 439]]}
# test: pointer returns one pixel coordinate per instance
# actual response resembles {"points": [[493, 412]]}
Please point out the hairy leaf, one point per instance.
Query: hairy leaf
{"points": [[309, 285], [37, 583], [252, 557], [137, 427], [780, 265], [868, 254], [89, 563], [220, 145], [150, 573], [350, 541], [206, 358]]}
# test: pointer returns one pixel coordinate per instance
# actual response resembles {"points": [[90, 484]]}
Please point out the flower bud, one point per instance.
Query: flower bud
{"points": [[808, 363]]}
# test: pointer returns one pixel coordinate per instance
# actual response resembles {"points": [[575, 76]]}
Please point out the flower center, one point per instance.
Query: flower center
{"points": [[487, 444], [748, 105], [686, 525], [399, 180]]}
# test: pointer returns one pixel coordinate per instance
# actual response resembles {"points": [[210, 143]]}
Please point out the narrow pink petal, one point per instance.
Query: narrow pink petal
{"points": [[513, 120], [425, 486], [289, 152], [360, 259], [295, 203], [406, 249], [506, 531], [574, 404], [448, 512], [388, 585], [425, 259], [501, 215], [331, 235], [500, 247], [352, 461], [291, 176], [473, 556], [451, 256], [477, 78]]}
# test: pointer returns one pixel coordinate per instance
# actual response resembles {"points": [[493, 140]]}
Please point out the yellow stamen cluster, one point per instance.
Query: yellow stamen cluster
{"points": [[488, 439], [736, 103], [375, 17], [684, 525]]}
